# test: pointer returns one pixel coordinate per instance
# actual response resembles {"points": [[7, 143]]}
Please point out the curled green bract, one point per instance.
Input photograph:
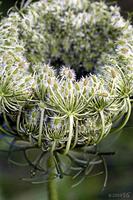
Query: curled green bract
{"points": [[43, 49]]}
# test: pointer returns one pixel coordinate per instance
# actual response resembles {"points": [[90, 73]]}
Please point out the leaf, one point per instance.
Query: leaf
{"points": [[22, 144], [41, 178]]}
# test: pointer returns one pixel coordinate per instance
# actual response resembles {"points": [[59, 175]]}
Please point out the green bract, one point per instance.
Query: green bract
{"points": [[43, 50]]}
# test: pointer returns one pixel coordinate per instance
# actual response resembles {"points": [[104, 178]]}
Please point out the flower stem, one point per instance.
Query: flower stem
{"points": [[41, 127], [53, 146], [126, 118], [3, 130], [51, 185], [71, 123], [76, 135], [18, 118], [103, 126]]}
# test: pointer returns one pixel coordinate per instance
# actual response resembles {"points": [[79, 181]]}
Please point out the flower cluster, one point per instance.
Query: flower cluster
{"points": [[42, 48], [73, 33], [15, 81]]}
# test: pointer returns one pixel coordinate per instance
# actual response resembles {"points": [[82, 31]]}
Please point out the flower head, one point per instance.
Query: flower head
{"points": [[58, 108]]}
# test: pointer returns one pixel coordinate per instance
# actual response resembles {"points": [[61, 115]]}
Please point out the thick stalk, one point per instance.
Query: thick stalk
{"points": [[51, 185]]}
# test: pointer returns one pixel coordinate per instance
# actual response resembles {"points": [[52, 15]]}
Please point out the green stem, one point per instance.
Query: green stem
{"points": [[53, 146], [51, 185], [6, 121], [18, 118], [71, 123], [76, 135], [113, 85], [41, 127], [103, 126], [7, 132], [4, 131], [57, 165]]}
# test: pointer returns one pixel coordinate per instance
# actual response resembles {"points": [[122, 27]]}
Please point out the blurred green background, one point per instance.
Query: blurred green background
{"points": [[120, 165]]}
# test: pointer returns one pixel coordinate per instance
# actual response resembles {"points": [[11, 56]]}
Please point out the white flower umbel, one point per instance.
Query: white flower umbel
{"points": [[56, 107]]}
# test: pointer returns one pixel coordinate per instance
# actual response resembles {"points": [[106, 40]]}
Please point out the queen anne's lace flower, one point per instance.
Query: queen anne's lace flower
{"points": [[52, 107]]}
